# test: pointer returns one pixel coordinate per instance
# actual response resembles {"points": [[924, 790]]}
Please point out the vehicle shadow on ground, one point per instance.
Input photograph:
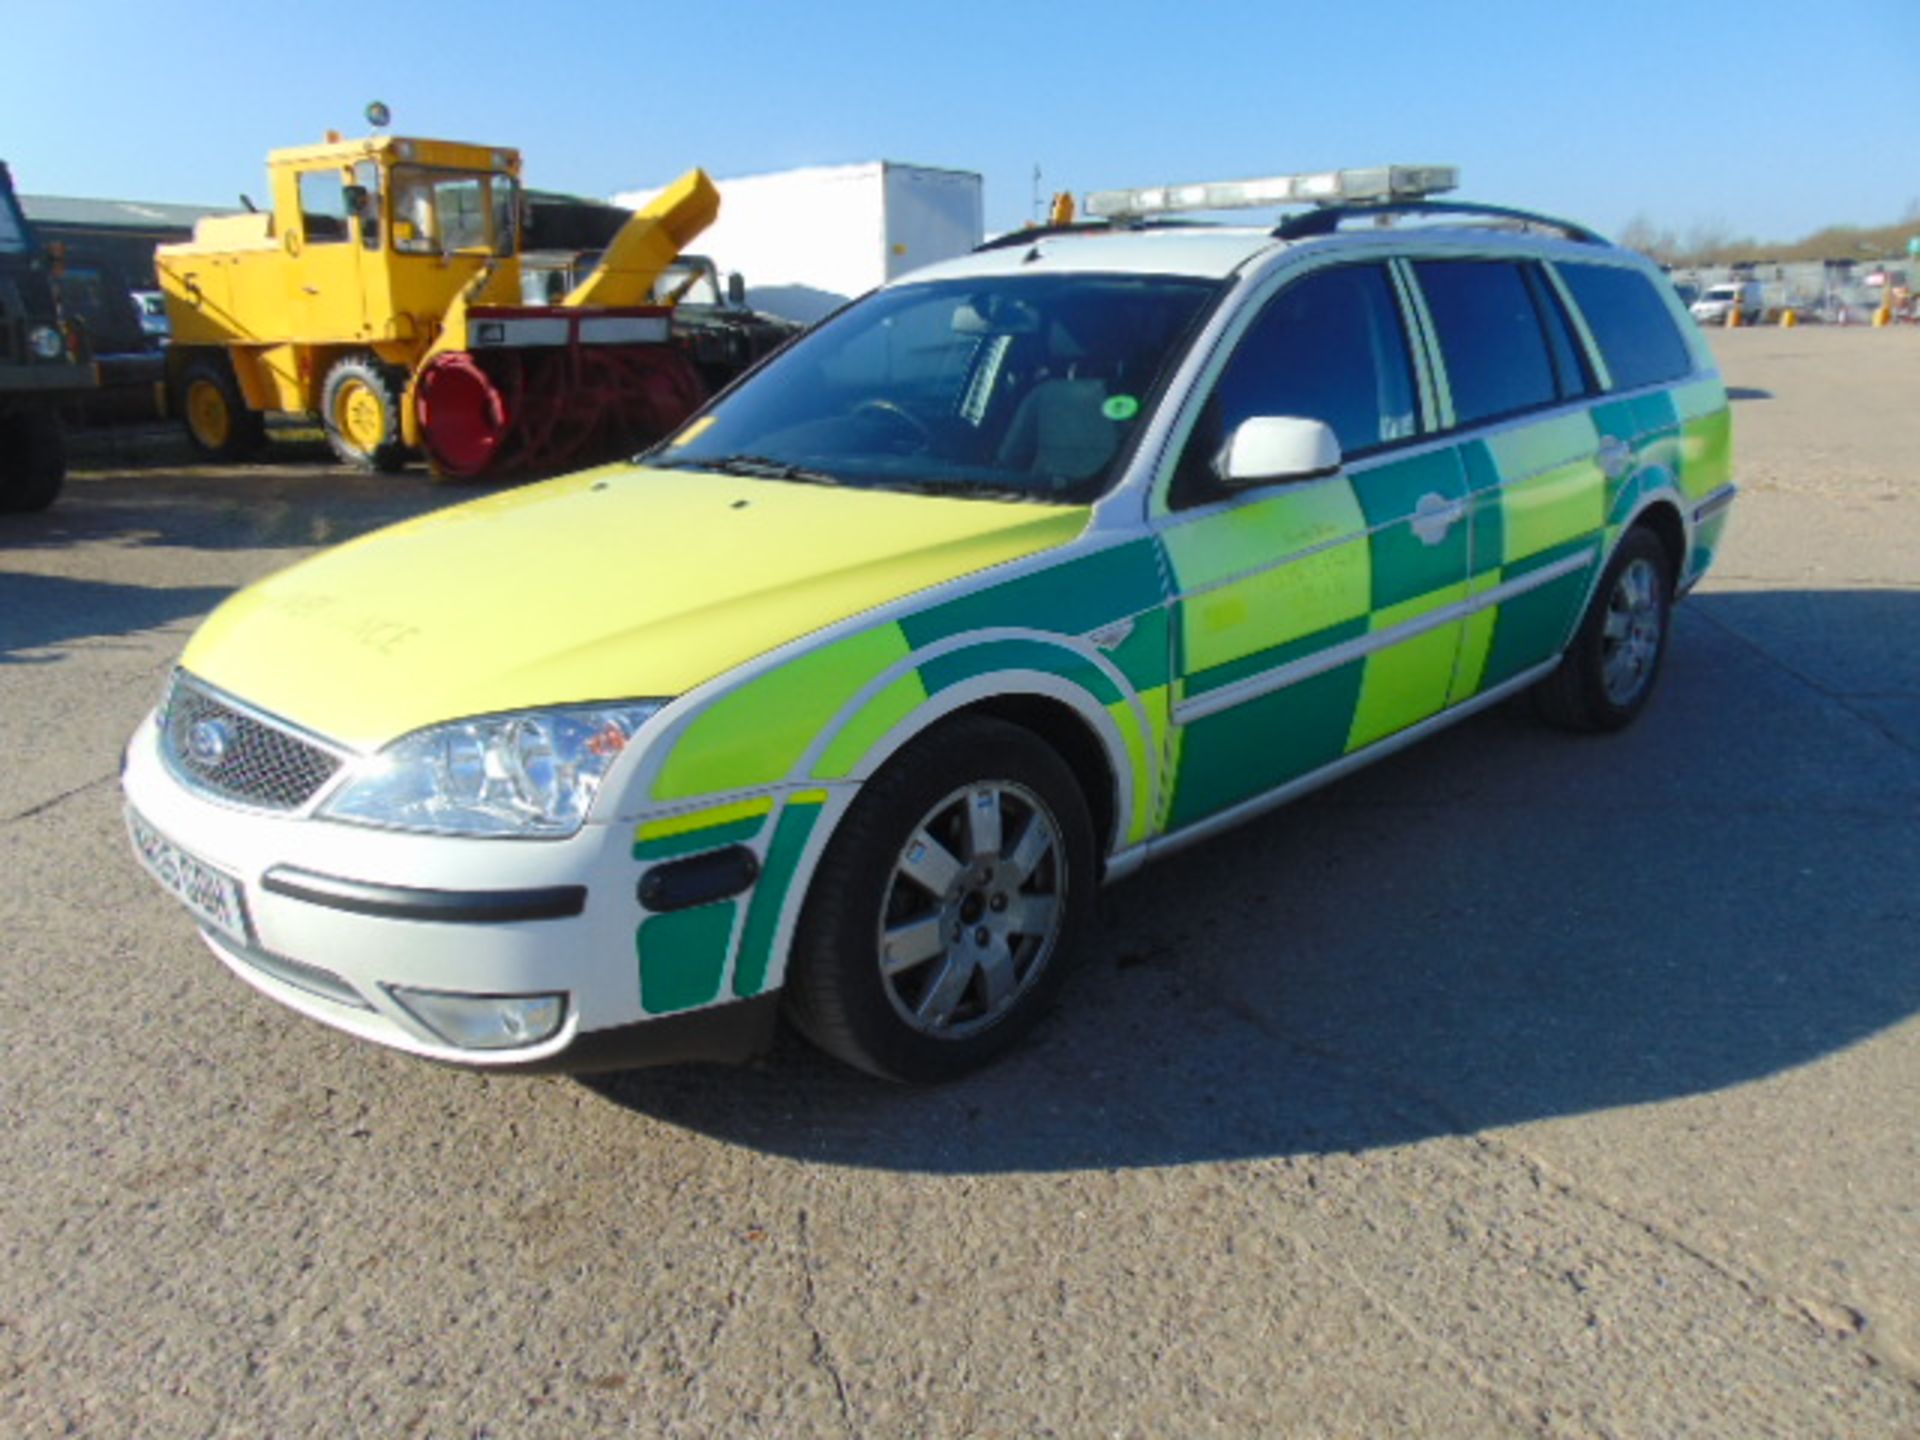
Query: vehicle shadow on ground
{"points": [[43, 612], [1502, 925]]}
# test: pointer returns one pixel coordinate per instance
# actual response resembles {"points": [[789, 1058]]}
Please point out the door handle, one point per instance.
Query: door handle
{"points": [[1434, 515]]}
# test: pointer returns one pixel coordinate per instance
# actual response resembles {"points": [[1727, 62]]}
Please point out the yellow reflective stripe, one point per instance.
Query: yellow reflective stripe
{"points": [[1476, 639], [876, 718], [755, 735], [1409, 681], [704, 819], [1229, 544]]}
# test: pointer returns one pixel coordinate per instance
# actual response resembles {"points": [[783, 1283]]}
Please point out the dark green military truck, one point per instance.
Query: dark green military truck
{"points": [[38, 365]]}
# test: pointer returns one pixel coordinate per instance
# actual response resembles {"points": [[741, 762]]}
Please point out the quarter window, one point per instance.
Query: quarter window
{"points": [[1329, 347], [1630, 323], [1491, 338]]}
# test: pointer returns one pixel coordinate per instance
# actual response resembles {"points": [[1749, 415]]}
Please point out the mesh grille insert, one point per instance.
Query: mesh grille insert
{"points": [[213, 747]]}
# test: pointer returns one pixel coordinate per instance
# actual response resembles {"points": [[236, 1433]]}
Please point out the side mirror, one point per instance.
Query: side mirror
{"points": [[1273, 449], [355, 198], [736, 288]]}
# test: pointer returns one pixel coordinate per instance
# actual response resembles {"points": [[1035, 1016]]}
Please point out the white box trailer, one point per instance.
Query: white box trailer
{"points": [[810, 240]]}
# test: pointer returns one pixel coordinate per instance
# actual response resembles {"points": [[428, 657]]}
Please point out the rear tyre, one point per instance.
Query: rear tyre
{"points": [[33, 459], [1608, 672], [944, 915], [219, 424], [360, 409]]}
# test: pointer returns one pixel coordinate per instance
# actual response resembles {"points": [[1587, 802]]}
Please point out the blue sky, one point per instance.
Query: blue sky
{"points": [[1762, 118]]}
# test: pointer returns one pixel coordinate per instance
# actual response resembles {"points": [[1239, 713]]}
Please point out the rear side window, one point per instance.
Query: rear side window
{"points": [[1491, 337], [1630, 323]]}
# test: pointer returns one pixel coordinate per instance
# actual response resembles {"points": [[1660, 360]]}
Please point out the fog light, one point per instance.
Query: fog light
{"points": [[484, 1022]]}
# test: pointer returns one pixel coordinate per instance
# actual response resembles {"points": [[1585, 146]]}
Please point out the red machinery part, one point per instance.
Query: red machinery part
{"points": [[464, 416], [543, 409]]}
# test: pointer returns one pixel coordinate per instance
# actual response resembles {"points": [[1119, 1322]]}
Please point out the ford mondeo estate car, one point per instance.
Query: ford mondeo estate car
{"points": [[1011, 576]]}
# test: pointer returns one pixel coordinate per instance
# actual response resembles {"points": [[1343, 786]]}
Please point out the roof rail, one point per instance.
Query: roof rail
{"points": [[1083, 227], [1326, 219]]}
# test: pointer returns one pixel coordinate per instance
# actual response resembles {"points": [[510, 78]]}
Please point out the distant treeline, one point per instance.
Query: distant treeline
{"points": [[1711, 243]]}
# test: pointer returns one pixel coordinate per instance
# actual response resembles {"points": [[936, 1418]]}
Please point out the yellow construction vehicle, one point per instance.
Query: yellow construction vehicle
{"points": [[381, 292]]}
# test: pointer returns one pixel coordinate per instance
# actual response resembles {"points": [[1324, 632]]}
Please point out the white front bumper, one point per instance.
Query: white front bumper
{"points": [[590, 957]]}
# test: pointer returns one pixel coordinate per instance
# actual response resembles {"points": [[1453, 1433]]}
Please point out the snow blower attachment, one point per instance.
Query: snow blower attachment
{"points": [[382, 292]]}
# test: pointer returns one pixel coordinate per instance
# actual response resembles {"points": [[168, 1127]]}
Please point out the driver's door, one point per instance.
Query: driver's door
{"points": [[1313, 618]]}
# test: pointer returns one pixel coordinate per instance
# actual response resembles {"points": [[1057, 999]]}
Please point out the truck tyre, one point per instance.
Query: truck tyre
{"points": [[944, 914], [33, 458], [1607, 674], [219, 424], [360, 408]]}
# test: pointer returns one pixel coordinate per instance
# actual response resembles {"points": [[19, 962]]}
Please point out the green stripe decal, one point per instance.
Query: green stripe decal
{"points": [[1072, 598], [683, 956], [1405, 567], [1226, 758], [770, 894], [950, 669]]}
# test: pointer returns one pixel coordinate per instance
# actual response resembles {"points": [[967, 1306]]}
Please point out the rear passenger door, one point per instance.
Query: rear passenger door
{"points": [[1317, 617], [1512, 382]]}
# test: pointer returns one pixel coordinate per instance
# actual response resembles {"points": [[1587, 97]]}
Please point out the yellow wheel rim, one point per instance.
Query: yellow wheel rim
{"points": [[360, 417], [208, 415]]}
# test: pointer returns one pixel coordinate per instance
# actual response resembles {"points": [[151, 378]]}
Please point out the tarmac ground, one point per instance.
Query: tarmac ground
{"points": [[1519, 1085]]}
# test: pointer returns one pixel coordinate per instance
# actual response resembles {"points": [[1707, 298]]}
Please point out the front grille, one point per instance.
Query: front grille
{"points": [[213, 746]]}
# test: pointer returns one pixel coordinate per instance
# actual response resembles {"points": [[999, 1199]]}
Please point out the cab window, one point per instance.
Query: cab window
{"points": [[366, 175], [323, 207], [1329, 347]]}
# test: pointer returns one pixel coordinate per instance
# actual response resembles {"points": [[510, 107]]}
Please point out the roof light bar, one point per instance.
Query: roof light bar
{"points": [[1375, 183]]}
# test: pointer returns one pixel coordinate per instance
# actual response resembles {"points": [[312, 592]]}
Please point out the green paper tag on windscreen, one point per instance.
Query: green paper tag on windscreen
{"points": [[1120, 407]]}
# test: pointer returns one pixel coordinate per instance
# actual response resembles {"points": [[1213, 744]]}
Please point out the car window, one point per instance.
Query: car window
{"points": [[1491, 338], [1631, 323], [1329, 347], [323, 206], [1569, 364]]}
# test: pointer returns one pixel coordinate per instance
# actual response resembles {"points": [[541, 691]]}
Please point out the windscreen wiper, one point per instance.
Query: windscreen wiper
{"points": [[965, 489], [757, 467]]}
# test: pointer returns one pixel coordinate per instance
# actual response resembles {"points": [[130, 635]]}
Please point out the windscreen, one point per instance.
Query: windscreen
{"points": [[436, 212], [1023, 387]]}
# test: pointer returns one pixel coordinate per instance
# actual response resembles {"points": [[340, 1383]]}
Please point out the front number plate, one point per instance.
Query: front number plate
{"points": [[214, 897]]}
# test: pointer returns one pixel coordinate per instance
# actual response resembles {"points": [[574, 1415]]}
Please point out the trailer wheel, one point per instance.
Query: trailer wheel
{"points": [[218, 421], [360, 407], [33, 459]]}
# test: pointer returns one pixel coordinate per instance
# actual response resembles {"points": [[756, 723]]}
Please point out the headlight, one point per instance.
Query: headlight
{"points": [[530, 774], [46, 342]]}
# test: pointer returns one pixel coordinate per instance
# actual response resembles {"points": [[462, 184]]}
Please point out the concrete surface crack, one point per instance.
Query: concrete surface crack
{"points": [[60, 799], [822, 1352]]}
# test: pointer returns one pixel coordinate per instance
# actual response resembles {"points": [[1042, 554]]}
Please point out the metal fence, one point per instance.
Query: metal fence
{"points": [[1830, 290]]}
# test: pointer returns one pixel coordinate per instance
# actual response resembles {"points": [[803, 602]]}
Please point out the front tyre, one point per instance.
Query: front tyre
{"points": [[1608, 672], [360, 409], [33, 458], [947, 908]]}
